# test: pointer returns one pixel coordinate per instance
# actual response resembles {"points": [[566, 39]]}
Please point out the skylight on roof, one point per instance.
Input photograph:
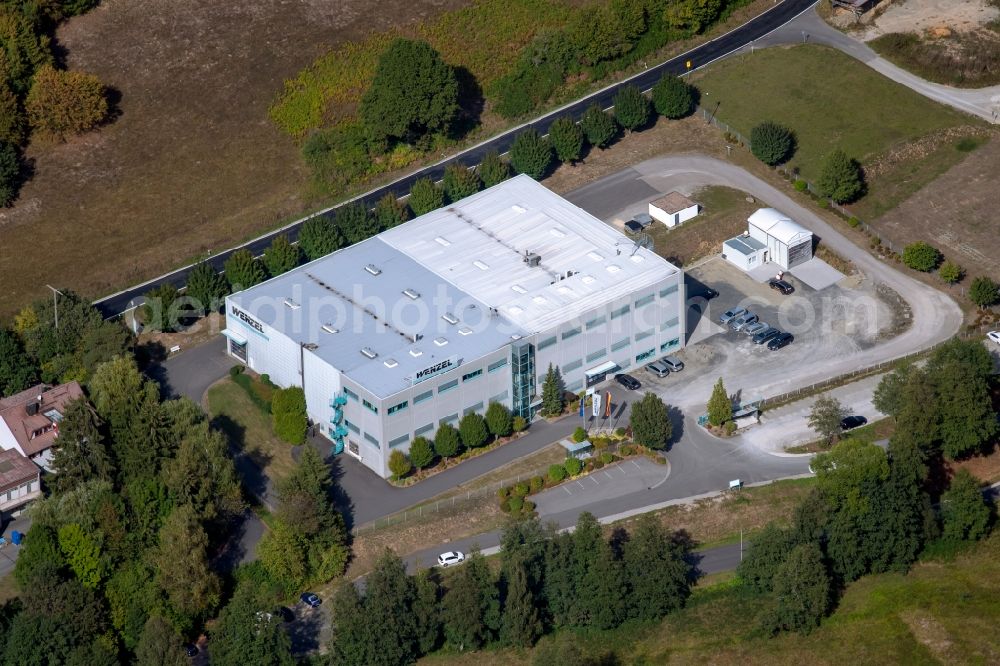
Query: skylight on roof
{"points": [[539, 300], [519, 209], [465, 330], [411, 294], [519, 289], [515, 309], [329, 328], [390, 363], [441, 240], [369, 352], [557, 232], [563, 289], [481, 265], [614, 268], [637, 258], [441, 342], [595, 256], [373, 269], [588, 279], [450, 318], [415, 353]]}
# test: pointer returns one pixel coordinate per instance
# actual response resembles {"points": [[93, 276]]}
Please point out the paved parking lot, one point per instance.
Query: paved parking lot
{"points": [[828, 325], [624, 478]]}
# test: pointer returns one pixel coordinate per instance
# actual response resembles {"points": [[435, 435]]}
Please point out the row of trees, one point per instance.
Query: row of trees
{"points": [[474, 431], [35, 96], [35, 349], [547, 581], [116, 563]]}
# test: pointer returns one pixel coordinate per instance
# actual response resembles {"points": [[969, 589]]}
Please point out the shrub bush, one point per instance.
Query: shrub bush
{"points": [[579, 434], [537, 483], [528, 507], [472, 428], [921, 256], [288, 409], [505, 505], [61, 103], [853, 222], [596, 462], [801, 185], [515, 503], [557, 473], [627, 450], [950, 272], [399, 464], [771, 143], [235, 370], [984, 292], [730, 427], [520, 490], [607, 458], [520, 424], [573, 466], [503, 493], [619, 432]]}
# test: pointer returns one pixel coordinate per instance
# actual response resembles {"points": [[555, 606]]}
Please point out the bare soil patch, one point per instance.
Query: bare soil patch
{"points": [[192, 163], [937, 17], [956, 213]]}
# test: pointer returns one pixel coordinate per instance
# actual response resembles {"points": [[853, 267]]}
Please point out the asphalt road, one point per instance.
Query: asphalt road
{"points": [[732, 41]]}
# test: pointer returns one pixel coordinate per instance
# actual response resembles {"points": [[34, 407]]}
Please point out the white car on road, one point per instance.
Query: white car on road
{"points": [[994, 336], [450, 558]]}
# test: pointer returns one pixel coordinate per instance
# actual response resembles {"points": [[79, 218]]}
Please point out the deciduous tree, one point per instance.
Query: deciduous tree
{"points": [[421, 452], [425, 196], [771, 143], [207, 287], [243, 270], [63, 103], [163, 308], [767, 552], [460, 181], [10, 173], [160, 644], [965, 515], [921, 256], [319, 236], [355, 222], [493, 169], [566, 138], [399, 464], [984, 292], [473, 431], [673, 97], [841, 178], [413, 94], [181, 562], [825, 417], [17, 372], [244, 636], [801, 590], [599, 126], [390, 212], [499, 420], [82, 554], [650, 422], [531, 154], [447, 442], [281, 256], [632, 109]]}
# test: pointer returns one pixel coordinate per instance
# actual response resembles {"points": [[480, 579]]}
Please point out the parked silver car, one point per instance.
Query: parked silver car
{"points": [[672, 362], [730, 315], [753, 329], [741, 321], [658, 368]]}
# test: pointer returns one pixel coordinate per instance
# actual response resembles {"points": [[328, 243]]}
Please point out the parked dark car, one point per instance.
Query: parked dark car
{"points": [[310, 599], [708, 293], [766, 335], [851, 422], [629, 382], [782, 286], [190, 650], [779, 341]]}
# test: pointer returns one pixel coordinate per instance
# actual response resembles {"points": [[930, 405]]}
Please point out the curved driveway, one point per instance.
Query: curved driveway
{"points": [[936, 317], [717, 48]]}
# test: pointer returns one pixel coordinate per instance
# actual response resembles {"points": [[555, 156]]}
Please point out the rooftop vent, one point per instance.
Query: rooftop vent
{"points": [[329, 328], [519, 289], [520, 210], [292, 304], [31, 408], [441, 240], [441, 342], [450, 318], [416, 353], [465, 330], [390, 363], [411, 294], [373, 269], [481, 265], [532, 259], [515, 337], [369, 352]]}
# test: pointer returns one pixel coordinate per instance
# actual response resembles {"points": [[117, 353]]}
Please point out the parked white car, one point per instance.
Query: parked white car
{"points": [[450, 558], [994, 336]]}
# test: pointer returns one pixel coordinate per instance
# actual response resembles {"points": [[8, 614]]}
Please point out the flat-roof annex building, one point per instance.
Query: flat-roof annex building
{"points": [[466, 305]]}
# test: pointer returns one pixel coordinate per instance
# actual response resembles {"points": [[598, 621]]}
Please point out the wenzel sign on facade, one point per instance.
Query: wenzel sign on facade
{"points": [[436, 369], [247, 319]]}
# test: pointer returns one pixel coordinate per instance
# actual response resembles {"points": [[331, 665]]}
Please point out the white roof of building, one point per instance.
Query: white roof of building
{"points": [[480, 243], [777, 224]]}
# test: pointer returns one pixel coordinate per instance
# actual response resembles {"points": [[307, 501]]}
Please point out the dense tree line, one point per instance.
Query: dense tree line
{"points": [[117, 560], [35, 350], [873, 511], [547, 581]]}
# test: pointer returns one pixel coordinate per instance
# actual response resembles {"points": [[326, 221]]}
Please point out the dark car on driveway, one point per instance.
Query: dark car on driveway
{"points": [[766, 335], [629, 382], [782, 286], [851, 422], [310, 599], [779, 341]]}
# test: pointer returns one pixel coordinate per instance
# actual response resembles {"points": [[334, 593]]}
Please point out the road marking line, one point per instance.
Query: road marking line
{"points": [[567, 490], [636, 465], [607, 475], [594, 480]]}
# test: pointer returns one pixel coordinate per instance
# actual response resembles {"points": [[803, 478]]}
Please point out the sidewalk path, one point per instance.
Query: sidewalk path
{"points": [[811, 28]]}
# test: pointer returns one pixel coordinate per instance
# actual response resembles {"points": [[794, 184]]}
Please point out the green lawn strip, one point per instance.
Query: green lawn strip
{"points": [[828, 99], [249, 428]]}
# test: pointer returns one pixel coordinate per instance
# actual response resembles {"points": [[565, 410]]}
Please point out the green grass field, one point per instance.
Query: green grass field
{"points": [[940, 612], [827, 98]]}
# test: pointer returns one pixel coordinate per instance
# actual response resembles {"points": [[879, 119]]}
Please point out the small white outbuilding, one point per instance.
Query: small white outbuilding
{"points": [[788, 243], [744, 252], [673, 209]]}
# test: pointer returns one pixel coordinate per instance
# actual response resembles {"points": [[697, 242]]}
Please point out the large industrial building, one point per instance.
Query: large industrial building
{"points": [[463, 306]]}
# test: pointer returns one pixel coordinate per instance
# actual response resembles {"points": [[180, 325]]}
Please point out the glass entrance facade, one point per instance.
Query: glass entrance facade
{"points": [[522, 374]]}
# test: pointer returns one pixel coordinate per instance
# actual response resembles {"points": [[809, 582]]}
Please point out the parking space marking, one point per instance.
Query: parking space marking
{"points": [[608, 476], [636, 465], [567, 490], [596, 482], [620, 469], [580, 484]]}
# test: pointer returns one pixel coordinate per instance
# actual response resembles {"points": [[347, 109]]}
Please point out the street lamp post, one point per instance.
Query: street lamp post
{"points": [[55, 302]]}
